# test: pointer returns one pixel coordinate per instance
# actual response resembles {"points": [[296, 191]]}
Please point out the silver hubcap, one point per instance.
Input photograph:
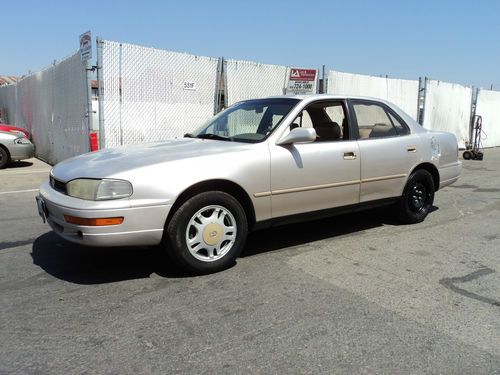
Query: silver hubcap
{"points": [[211, 233]]}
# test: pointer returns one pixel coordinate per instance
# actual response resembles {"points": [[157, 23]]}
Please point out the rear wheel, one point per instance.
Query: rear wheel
{"points": [[207, 233], [4, 158], [417, 198], [467, 155]]}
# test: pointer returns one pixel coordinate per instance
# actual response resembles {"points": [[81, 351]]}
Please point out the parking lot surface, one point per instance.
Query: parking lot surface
{"points": [[351, 294]]}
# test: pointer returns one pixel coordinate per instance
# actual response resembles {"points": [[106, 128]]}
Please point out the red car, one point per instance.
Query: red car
{"points": [[14, 129]]}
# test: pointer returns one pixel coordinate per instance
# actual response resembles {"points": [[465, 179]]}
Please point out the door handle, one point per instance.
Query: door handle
{"points": [[411, 149], [349, 155]]}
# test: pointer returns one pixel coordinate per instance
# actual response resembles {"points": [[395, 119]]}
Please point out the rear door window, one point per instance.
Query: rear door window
{"points": [[377, 121]]}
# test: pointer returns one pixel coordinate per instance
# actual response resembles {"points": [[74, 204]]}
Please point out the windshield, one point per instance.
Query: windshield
{"points": [[248, 121]]}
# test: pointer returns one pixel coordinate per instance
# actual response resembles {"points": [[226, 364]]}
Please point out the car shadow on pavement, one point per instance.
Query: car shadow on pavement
{"points": [[90, 265], [290, 235], [19, 164]]}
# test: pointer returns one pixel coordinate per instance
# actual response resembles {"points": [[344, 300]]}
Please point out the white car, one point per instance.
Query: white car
{"points": [[14, 146], [259, 163]]}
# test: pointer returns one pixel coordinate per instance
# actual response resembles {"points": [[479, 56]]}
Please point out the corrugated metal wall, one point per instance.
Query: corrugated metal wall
{"points": [[52, 104]]}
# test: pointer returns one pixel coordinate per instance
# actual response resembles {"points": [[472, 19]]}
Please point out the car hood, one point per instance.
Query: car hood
{"points": [[7, 135], [110, 162]]}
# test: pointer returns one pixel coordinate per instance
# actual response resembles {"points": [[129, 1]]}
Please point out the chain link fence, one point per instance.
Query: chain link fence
{"points": [[152, 95], [149, 95], [250, 80]]}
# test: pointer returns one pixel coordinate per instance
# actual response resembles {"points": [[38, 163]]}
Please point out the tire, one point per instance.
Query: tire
{"points": [[207, 233], [467, 155], [4, 158], [417, 198]]}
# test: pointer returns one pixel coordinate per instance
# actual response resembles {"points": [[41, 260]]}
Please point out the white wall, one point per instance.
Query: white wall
{"points": [[402, 92], [448, 108], [488, 107]]}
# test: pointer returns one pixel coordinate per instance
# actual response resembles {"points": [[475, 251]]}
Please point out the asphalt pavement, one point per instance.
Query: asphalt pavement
{"points": [[354, 294]]}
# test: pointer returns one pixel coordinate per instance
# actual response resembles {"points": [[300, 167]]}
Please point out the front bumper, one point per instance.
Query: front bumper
{"points": [[142, 226], [21, 151]]}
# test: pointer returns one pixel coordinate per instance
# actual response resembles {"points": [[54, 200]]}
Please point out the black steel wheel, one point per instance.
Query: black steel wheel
{"points": [[417, 198]]}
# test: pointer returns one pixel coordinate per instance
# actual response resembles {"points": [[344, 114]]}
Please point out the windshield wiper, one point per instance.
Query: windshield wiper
{"points": [[189, 135], [214, 136]]}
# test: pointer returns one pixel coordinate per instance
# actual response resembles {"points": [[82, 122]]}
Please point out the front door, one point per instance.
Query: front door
{"points": [[323, 174]]}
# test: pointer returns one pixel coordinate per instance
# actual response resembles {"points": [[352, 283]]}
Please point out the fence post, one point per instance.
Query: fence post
{"points": [[100, 85], [225, 99], [218, 105], [325, 82], [89, 101], [473, 105], [422, 91]]}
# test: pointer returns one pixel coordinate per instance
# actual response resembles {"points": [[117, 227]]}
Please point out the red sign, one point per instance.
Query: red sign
{"points": [[302, 74]]}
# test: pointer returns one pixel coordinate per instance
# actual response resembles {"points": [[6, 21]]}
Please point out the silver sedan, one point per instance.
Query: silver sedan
{"points": [[259, 163], [14, 146]]}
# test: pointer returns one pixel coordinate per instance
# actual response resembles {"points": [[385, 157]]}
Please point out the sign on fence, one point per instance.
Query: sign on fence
{"points": [[86, 46], [301, 81]]}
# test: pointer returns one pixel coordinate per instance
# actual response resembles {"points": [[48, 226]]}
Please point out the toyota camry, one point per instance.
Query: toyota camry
{"points": [[259, 163]]}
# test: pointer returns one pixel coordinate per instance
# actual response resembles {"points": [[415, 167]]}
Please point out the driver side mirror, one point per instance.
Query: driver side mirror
{"points": [[298, 135]]}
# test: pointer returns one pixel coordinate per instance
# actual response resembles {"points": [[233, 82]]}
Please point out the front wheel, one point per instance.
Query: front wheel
{"points": [[4, 158], [207, 232], [417, 198]]}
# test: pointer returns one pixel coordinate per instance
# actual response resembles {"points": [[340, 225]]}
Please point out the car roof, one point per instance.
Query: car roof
{"points": [[326, 96], [308, 98]]}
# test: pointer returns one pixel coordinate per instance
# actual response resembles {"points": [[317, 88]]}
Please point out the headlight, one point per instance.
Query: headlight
{"points": [[98, 190], [22, 141]]}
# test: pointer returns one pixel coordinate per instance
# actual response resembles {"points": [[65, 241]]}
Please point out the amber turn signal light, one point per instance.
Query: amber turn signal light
{"points": [[97, 222]]}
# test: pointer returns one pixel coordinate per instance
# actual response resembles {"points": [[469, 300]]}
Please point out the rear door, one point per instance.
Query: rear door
{"points": [[387, 149]]}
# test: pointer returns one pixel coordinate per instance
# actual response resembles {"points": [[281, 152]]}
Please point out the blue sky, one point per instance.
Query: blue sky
{"points": [[455, 41]]}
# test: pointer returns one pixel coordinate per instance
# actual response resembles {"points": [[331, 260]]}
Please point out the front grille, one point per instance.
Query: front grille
{"points": [[58, 185]]}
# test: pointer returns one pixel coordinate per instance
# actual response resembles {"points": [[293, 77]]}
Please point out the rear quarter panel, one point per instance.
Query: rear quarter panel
{"points": [[445, 157]]}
